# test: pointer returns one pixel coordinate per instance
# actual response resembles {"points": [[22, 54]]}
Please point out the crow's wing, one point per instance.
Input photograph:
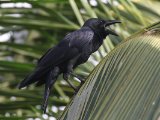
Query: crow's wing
{"points": [[68, 48], [54, 56]]}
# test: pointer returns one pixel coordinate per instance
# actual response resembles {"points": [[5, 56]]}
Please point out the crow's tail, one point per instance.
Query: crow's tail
{"points": [[48, 86], [35, 76]]}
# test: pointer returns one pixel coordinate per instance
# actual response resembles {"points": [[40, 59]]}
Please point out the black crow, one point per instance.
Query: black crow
{"points": [[75, 49]]}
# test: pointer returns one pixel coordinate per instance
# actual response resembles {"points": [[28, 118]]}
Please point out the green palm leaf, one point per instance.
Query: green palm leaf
{"points": [[125, 85]]}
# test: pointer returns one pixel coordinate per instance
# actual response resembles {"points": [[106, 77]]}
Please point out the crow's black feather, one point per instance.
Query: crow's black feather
{"points": [[73, 50]]}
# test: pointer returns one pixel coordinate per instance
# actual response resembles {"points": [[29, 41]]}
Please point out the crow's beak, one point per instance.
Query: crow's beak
{"points": [[110, 22], [108, 29]]}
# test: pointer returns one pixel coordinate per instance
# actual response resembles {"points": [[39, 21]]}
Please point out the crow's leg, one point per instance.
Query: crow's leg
{"points": [[48, 86], [65, 76], [78, 77], [70, 65], [70, 83]]}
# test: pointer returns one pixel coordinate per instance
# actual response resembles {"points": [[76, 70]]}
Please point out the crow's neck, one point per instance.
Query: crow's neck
{"points": [[101, 35], [98, 39]]}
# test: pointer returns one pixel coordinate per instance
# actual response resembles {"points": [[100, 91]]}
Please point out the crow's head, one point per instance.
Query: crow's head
{"points": [[101, 26]]}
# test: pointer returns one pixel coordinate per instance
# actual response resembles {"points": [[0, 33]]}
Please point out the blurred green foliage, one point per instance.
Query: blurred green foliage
{"points": [[35, 26]]}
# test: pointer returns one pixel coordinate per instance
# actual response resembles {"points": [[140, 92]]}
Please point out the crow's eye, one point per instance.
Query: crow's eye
{"points": [[101, 22]]}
